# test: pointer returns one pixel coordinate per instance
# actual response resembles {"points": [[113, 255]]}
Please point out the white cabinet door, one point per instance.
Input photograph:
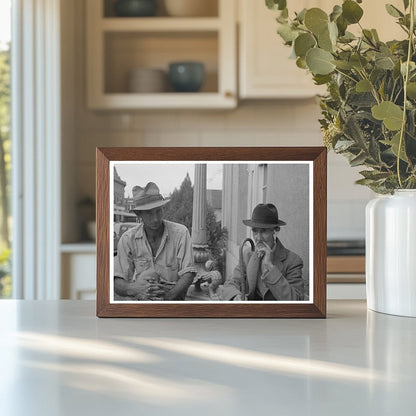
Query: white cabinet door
{"points": [[78, 276], [265, 69]]}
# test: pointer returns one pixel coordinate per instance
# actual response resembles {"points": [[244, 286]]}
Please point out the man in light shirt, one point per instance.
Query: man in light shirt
{"points": [[154, 259]]}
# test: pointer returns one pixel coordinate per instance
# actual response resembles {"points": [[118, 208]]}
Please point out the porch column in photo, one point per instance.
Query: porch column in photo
{"points": [[199, 213]]}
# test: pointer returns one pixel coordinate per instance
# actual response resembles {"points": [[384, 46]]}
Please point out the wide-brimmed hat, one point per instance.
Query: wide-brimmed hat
{"points": [[264, 216], [148, 197]]}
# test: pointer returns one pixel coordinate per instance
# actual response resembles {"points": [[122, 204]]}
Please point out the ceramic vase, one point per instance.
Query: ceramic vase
{"points": [[391, 253]]}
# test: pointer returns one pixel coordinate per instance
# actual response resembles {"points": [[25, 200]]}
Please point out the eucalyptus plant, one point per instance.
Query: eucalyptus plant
{"points": [[369, 112]]}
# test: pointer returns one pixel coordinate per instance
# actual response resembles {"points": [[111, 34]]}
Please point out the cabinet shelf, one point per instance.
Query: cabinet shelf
{"points": [[118, 46], [196, 100], [160, 24]]}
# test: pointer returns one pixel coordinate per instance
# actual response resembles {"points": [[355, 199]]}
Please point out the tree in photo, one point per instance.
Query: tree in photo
{"points": [[179, 210]]}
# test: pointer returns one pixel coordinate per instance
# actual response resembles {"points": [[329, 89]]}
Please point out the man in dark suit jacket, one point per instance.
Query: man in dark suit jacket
{"points": [[273, 272]]}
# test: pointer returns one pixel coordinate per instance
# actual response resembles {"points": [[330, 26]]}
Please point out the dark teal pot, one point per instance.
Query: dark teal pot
{"points": [[135, 8], [186, 76]]}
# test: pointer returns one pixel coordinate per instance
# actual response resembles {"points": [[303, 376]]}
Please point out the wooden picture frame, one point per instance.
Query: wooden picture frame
{"points": [[311, 162]]}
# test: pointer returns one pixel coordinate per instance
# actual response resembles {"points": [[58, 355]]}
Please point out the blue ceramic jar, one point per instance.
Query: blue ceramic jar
{"points": [[135, 8], [186, 76]]}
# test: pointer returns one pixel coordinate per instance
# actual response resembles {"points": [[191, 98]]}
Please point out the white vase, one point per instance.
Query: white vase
{"points": [[391, 253]]}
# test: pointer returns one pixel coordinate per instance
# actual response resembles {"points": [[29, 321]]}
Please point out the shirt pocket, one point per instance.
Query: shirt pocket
{"points": [[169, 271], [140, 265]]}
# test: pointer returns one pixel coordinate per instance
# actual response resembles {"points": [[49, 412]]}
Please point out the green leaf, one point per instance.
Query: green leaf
{"points": [[374, 175], [336, 12], [316, 20], [352, 130], [343, 145], [319, 61], [365, 182], [368, 36], [301, 15], [374, 150], [384, 62], [333, 32], [363, 86], [391, 114], [325, 42], [394, 143], [375, 35], [359, 160], [362, 99], [287, 33], [393, 11], [358, 61], [347, 37], [281, 19], [345, 65], [303, 43], [276, 4], [411, 90], [406, 4], [412, 67], [351, 11], [301, 63], [321, 79], [342, 25], [396, 70], [382, 89]]}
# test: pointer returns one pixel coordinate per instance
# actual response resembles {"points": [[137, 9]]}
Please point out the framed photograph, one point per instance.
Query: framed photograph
{"points": [[211, 232]]}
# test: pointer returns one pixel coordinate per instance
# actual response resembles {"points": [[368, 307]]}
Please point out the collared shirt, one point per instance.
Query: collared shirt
{"points": [[173, 259]]}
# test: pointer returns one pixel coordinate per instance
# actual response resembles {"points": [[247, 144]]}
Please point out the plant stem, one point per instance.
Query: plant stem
{"points": [[373, 88], [405, 81], [346, 75]]}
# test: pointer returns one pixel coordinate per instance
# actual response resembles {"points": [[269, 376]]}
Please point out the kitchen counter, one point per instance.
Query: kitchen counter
{"points": [[57, 358]]}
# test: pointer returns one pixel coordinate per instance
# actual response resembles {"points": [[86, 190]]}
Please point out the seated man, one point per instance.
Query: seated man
{"points": [[273, 271], [154, 259]]}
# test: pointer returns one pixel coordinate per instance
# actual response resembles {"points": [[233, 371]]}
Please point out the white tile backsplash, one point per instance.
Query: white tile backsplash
{"points": [[257, 123]]}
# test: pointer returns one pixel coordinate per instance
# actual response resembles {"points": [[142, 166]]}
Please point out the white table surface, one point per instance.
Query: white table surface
{"points": [[57, 358]]}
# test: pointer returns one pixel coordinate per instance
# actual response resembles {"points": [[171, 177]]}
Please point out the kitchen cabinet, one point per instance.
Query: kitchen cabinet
{"points": [[118, 45], [265, 70], [78, 264], [265, 67]]}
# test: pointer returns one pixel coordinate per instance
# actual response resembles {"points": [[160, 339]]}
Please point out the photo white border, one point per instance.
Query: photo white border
{"points": [[187, 162]]}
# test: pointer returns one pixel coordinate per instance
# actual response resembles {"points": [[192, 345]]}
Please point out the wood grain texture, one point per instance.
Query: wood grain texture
{"points": [[317, 309]]}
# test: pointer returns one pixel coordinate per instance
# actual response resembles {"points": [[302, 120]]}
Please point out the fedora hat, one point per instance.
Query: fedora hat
{"points": [[264, 216], [148, 197]]}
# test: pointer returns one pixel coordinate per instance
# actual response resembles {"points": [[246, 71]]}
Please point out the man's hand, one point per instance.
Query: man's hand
{"points": [[264, 252], [146, 286]]}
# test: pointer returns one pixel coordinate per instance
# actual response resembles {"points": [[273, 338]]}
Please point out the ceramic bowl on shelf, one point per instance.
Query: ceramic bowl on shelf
{"points": [[191, 8], [147, 80], [135, 8], [186, 76]]}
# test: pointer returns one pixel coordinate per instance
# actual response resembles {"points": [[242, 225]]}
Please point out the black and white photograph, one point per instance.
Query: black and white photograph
{"points": [[211, 231]]}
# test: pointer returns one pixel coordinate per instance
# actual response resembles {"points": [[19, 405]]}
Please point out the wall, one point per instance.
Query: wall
{"points": [[288, 187], [253, 123]]}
